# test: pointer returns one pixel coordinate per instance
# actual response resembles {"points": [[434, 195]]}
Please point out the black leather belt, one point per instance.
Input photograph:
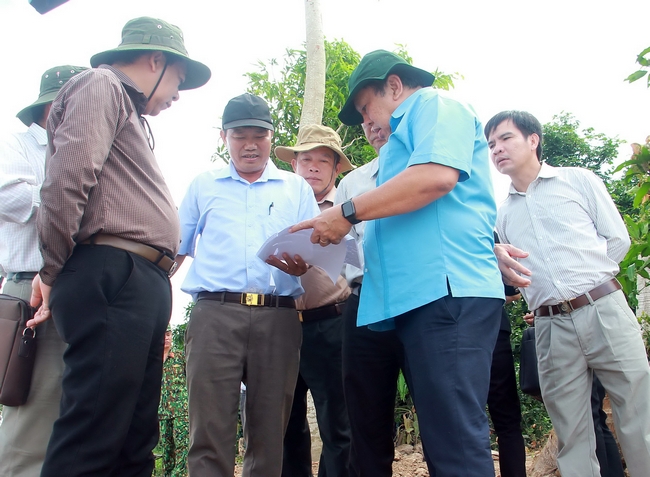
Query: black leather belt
{"points": [[21, 276], [155, 256], [571, 305], [249, 299], [321, 313]]}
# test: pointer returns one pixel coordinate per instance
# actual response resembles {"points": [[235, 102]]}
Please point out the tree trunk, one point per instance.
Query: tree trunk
{"points": [[314, 99]]}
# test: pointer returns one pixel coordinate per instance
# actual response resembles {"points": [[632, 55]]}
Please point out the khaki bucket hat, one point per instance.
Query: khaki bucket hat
{"points": [[152, 34], [311, 137], [51, 82]]}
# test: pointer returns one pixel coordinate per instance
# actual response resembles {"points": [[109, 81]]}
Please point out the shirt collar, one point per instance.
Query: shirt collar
{"points": [[374, 167], [137, 96], [545, 172], [38, 133], [329, 197], [271, 172], [396, 117]]}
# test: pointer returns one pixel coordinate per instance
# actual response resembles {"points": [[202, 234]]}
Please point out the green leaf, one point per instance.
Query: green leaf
{"points": [[645, 52], [636, 75], [641, 193], [631, 272]]}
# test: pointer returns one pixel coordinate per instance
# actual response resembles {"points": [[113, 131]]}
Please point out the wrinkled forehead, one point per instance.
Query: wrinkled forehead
{"points": [[320, 151]]}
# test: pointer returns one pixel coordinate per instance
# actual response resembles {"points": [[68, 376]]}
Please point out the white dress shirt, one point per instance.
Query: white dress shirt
{"points": [[22, 170], [354, 184], [569, 225]]}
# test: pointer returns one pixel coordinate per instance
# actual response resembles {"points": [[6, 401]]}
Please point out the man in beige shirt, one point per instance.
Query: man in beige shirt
{"points": [[108, 231], [319, 159]]}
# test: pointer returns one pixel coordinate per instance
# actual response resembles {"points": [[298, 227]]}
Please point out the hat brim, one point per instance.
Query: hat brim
{"points": [[288, 154], [349, 114], [196, 74], [242, 123], [26, 115]]}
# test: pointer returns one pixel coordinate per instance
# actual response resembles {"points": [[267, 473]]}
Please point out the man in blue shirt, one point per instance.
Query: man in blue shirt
{"points": [[244, 326], [430, 271]]}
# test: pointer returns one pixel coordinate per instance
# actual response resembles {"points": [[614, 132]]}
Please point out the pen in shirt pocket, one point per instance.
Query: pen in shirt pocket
{"points": [[270, 207]]}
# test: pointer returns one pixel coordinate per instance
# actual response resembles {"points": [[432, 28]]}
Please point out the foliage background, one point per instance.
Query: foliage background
{"points": [[566, 143]]}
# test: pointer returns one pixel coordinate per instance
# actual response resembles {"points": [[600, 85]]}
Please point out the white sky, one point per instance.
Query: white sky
{"points": [[543, 57]]}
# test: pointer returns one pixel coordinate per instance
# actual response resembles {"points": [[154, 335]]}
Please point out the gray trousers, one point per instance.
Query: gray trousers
{"points": [[26, 429], [604, 337], [227, 343]]}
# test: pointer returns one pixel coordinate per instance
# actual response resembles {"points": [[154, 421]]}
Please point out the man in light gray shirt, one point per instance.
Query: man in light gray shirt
{"points": [[371, 359], [574, 237], [26, 429]]}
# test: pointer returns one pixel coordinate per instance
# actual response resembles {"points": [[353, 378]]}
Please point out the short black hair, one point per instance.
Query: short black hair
{"points": [[524, 121], [408, 76], [128, 57]]}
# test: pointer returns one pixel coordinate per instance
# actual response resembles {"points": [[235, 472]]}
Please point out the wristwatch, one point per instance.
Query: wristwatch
{"points": [[349, 212]]}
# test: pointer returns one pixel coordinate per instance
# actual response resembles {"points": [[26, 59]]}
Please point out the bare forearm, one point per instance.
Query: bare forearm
{"points": [[412, 189]]}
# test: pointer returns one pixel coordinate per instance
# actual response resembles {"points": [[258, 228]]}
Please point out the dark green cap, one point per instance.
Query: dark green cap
{"points": [[51, 82], [376, 65], [152, 34]]}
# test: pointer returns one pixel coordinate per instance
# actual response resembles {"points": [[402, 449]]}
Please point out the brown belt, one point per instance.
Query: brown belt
{"points": [[321, 313], [155, 256], [580, 301], [249, 299]]}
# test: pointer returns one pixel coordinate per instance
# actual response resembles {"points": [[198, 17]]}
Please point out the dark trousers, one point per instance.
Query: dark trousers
{"points": [[371, 364], [111, 307], [505, 409], [320, 372], [609, 458], [448, 347]]}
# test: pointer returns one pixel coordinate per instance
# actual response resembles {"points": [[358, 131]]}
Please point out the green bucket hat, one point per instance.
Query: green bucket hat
{"points": [[376, 65], [152, 34], [51, 82]]}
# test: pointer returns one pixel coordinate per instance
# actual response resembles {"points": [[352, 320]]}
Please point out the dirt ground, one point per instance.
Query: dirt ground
{"points": [[409, 462]]}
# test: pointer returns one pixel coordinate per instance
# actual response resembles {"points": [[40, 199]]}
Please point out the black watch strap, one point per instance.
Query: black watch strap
{"points": [[349, 212]]}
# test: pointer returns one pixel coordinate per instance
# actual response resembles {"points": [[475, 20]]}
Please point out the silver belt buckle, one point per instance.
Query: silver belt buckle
{"points": [[565, 307], [172, 269]]}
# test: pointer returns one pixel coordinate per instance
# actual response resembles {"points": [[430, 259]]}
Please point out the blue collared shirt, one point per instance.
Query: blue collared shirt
{"points": [[225, 220], [410, 258]]}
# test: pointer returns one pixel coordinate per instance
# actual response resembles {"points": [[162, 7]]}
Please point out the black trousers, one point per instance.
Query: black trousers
{"points": [[320, 372], [111, 307], [505, 409], [448, 346], [371, 364]]}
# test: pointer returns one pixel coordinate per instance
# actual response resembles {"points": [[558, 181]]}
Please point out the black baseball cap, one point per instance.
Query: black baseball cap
{"points": [[247, 110]]}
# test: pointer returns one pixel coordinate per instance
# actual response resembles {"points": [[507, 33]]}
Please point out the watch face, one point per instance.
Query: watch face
{"points": [[347, 208]]}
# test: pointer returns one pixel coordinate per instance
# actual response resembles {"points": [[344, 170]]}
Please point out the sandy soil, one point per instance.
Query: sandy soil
{"points": [[409, 462]]}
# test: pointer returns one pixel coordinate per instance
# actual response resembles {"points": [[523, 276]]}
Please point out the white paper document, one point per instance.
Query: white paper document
{"points": [[330, 258]]}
